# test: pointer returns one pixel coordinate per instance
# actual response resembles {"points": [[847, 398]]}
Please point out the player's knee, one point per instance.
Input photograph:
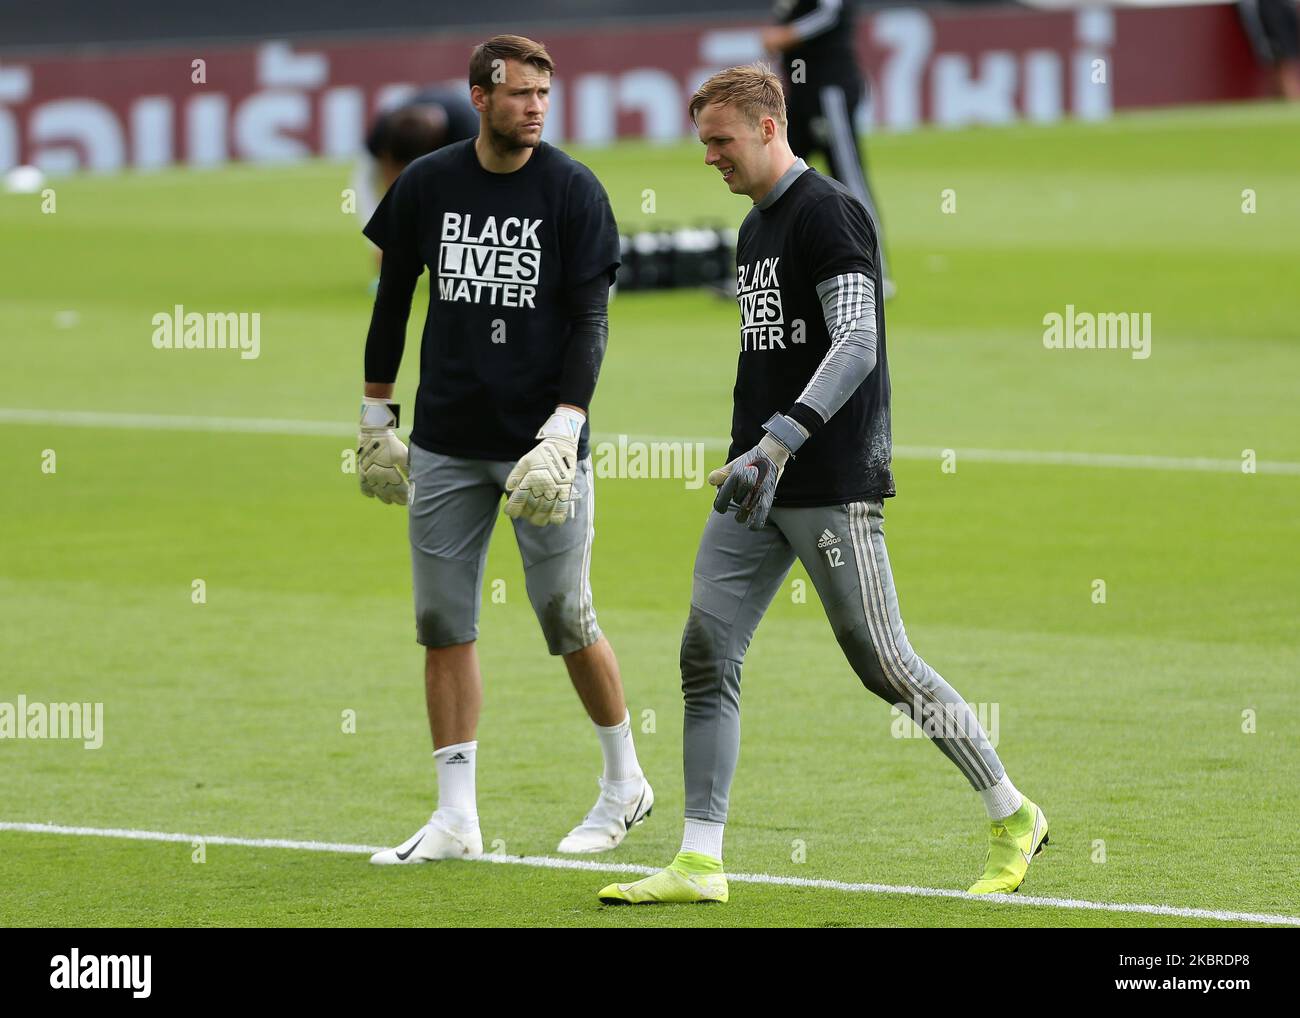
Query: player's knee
{"points": [[567, 619], [436, 629], [910, 664], [903, 649], [446, 601], [848, 624], [704, 652], [863, 656]]}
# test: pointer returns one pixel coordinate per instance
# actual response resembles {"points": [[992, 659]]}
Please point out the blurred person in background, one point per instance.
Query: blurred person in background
{"points": [[1273, 33], [823, 91], [422, 123]]}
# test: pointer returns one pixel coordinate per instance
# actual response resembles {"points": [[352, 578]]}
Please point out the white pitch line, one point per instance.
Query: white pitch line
{"points": [[168, 422], [339, 429], [1123, 461], [547, 862]]}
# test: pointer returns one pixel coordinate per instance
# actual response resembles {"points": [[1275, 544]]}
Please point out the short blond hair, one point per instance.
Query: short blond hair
{"points": [[751, 89]]}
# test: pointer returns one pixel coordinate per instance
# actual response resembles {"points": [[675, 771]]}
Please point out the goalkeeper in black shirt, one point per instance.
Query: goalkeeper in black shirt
{"points": [[806, 478], [521, 247]]}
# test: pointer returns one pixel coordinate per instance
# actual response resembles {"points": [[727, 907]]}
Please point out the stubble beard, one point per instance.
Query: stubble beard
{"points": [[507, 143]]}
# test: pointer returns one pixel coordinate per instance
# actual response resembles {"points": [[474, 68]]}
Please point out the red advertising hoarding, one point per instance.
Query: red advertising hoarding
{"points": [[293, 99]]}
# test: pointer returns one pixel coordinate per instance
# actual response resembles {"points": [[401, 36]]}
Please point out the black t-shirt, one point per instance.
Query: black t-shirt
{"points": [[503, 250], [814, 232], [827, 54]]}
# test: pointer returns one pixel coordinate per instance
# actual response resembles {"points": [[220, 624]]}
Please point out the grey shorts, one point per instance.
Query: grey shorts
{"points": [[453, 508]]}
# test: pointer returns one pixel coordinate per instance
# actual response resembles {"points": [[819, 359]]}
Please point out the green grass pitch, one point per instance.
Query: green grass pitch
{"points": [[1123, 719]]}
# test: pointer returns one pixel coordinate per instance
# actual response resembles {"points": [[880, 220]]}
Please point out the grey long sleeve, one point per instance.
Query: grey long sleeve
{"points": [[849, 307]]}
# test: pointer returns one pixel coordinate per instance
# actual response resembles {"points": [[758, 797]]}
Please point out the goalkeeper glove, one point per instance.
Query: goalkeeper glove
{"points": [[750, 479], [541, 483], [382, 458]]}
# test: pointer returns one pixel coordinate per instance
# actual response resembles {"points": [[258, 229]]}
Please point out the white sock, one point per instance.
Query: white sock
{"points": [[703, 836], [1002, 799], [455, 767], [620, 755]]}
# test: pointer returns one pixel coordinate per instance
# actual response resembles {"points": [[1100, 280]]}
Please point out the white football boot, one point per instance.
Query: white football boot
{"points": [[610, 819], [435, 840]]}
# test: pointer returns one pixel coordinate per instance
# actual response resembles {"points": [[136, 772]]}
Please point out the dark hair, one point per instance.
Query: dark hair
{"points": [[405, 134], [487, 62]]}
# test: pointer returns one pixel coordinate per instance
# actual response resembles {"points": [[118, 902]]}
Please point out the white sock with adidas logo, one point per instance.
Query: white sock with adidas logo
{"points": [[457, 803]]}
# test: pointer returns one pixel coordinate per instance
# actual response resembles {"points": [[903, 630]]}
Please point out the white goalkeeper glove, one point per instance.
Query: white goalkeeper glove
{"points": [[383, 461], [541, 484]]}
